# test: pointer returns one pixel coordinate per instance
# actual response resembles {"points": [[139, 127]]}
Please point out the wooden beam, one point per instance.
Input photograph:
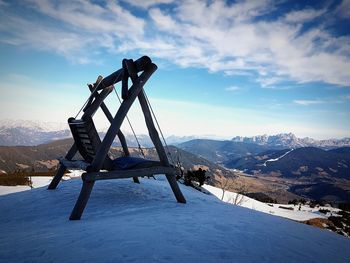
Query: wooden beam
{"points": [[78, 164], [125, 79], [141, 64], [82, 200], [120, 135], [99, 98], [153, 133], [93, 92], [61, 169], [118, 174], [159, 147]]}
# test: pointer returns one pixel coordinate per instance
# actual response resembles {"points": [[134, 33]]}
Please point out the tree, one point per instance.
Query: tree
{"points": [[242, 189], [227, 183], [197, 176], [200, 176]]}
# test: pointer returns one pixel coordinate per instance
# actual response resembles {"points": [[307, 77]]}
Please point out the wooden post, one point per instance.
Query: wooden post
{"points": [[153, 133], [120, 135], [82, 200], [60, 171], [125, 79], [110, 119], [159, 147], [97, 102]]}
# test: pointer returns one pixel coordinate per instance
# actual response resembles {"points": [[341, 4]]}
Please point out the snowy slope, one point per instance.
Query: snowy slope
{"points": [[276, 159], [39, 181], [304, 214], [127, 222]]}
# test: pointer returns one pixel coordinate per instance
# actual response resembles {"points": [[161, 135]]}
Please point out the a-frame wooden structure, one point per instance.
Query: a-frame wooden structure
{"points": [[96, 163]]}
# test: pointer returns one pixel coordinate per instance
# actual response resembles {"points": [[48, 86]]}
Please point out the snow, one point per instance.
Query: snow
{"points": [[127, 222], [276, 159], [38, 181], [304, 214]]}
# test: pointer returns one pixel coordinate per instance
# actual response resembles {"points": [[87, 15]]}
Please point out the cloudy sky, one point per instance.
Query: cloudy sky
{"points": [[226, 68]]}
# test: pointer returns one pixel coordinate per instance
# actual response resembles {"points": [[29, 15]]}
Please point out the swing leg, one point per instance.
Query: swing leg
{"points": [[176, 189], [82, 200], [58, 176]]}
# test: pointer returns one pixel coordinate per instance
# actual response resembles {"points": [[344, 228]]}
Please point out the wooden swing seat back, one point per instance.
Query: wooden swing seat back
{"points": [[87, 140]]}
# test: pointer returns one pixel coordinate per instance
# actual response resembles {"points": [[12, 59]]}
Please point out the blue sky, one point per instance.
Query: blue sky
{"points": [[226, 68]]}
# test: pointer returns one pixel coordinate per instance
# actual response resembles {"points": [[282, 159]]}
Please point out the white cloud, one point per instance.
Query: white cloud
{"points": [[308, 102], [162, 21], [343, 9], [275, 49], [147, 3], [218, 36], [302, 16], [227, 122], [83, 29], [266, 82], [232, 88]]}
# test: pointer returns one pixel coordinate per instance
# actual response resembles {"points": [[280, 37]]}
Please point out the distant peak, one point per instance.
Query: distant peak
{"points": [[33, 124]]}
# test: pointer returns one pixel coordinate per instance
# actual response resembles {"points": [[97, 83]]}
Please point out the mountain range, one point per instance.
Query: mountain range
{"points": [[282, 174], [222, 151], [31, 133], [282, 163], [44, 157], [300, 162], [305, 171], [20, 132], [289, 140]]}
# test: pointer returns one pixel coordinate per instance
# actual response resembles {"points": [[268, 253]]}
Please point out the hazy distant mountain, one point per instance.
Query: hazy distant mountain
{"points": [[301, 162], [221, 151], [30, 132], [43, 157], [39, 158], [310, 172], [289, 140]]}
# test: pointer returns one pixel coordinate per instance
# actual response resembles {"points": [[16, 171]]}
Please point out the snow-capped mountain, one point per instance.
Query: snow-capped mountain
{"points": [[289, 140], [29, 133], [34, 125]]}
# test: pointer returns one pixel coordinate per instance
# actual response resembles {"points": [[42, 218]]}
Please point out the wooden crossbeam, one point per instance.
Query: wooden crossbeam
{"points": [[129, 173]]}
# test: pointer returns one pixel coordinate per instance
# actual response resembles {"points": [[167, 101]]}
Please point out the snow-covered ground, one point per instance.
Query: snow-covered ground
{"points": [[127, 222], [304, 214], [37, 181]]}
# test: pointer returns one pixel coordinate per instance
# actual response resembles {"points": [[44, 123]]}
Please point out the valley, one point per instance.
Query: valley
{"points": [[261, 166]]}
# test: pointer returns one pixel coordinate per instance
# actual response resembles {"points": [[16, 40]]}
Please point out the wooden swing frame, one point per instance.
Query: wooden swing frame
{"points": [[139, 72]]}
